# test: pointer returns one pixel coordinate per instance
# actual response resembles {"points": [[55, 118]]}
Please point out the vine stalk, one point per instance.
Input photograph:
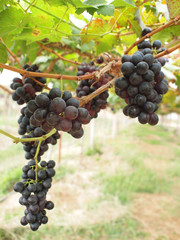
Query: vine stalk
{"points": [[17, 139]]}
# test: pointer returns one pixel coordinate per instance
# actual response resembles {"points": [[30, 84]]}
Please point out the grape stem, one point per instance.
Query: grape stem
{"points": [[173, 21], [11, 53], [47, 75], [59, 56], [6, 89], [88, 98], [167, 51], [35, 158], [17, 139]]}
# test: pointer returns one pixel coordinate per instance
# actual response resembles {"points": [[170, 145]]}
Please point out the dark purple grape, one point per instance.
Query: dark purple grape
{"points": [[142, 68], [121, 83], [135, 79], [57, 105], [54, 92], [136, 58], [148, 58], [133, 111], [146, 31], [154, 119], [126, 58], [65, 125], [73, 102], [42, 100], [143, 118], [149, 107], [140, 99], [157, 44], [132, 91], [127, 68], [145, 88]]}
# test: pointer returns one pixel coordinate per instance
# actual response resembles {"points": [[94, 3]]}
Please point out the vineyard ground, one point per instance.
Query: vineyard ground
{"points": [[125, 188]]}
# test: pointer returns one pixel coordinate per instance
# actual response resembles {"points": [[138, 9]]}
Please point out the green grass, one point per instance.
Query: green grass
{"points": [[62, 171], [8, 179], [141, 180], [124, 228], [14, 149], [97, 149]]}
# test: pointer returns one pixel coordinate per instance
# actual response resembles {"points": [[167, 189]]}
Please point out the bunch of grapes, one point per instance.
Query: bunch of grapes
{"points": [[143, 83], [30, 148], [59, 111], [34, 188], [26, 91], [86, 87]]}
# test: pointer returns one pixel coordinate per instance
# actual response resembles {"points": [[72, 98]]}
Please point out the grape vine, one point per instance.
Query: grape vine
{"points": [[138, 80]]}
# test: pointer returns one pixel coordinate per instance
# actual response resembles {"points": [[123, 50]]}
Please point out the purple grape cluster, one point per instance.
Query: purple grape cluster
{"points": [[143, 83], [34, 189], [31, 147], [26, 91], [86, 87], [59, 111]]}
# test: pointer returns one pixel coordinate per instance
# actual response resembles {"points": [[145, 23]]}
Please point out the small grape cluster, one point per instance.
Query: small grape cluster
{"points": [[86, 87], [26, 91], [57, 110], [30, 148], [34, 188], [143, 83]]}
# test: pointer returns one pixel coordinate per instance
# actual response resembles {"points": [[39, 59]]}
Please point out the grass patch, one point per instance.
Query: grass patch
{"points": [[124, 228], [8, 179], [141, 180], [97, 149], [14, 149], [62, 171]]}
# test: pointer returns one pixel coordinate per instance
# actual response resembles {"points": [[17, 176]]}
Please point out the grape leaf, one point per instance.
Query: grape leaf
{"points": [[3, 55], [173, 7], [3, 4], [167, 34], [87, 46], [32, 51], [10, 20], [78, 4], [107, 10], [106, 44], [123, 3], [56, 2], [95, 3]]}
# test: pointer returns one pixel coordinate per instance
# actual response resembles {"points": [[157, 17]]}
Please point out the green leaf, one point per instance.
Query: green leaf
{"points": [[167, 34], [3, 4], [136, 23], [173, 7], [87, 46], [10, 20], [123, 3], [77, 4], [56, 2], [106, 44], [107, 10], [32, 50], [19, 45], [42, 59], [95, 3], [3, 53], [178, 81]]}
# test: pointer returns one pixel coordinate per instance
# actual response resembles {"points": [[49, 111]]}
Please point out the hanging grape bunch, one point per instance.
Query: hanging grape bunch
{"points": [[86, 87], [25, 91], [34, 188], [42, 113], [143, 83]]}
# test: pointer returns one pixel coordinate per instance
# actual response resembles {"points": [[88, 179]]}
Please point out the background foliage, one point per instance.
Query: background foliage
{"points": [[80, 31]]}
